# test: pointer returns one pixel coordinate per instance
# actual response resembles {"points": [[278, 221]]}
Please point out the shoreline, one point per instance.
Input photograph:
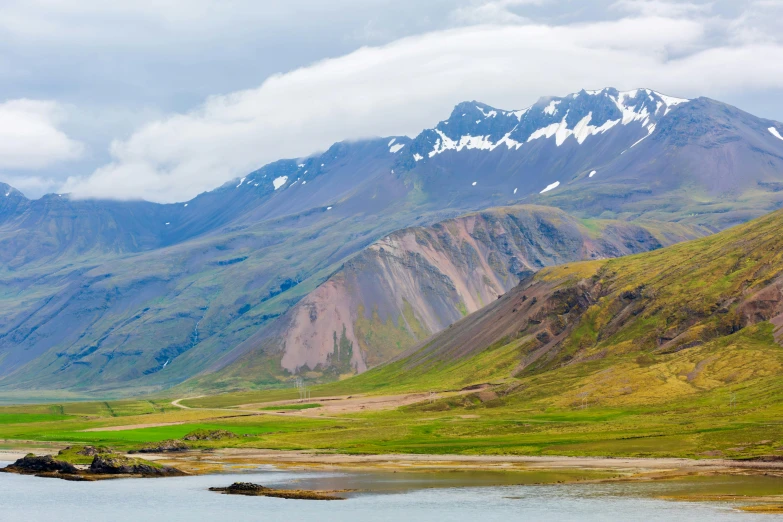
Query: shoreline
{"points": [[311, 460], [305, 459], [500, 470]]}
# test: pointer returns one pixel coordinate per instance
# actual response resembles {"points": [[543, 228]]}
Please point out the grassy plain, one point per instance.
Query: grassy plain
{"points": [[743, 422]]}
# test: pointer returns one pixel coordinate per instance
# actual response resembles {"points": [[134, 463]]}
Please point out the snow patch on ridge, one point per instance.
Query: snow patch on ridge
{"points": [[629, 113], [772, 131], [581, 130], [279, 182], [551, 109], [650, 129], [551, 186], [396, 148], [670, 101], [445, 143], [490, 114], [508, 141]]}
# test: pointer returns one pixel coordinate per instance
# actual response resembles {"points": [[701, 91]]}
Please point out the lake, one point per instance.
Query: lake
{"points": [[407, 497]]}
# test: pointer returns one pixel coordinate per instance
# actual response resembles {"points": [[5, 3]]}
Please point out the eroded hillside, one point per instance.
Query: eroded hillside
{"points": [[416, 282], [694, 317]]}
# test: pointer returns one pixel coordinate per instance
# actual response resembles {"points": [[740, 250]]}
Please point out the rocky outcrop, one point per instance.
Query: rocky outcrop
{"points": [[33, 465], [114, 464], [106, 463], [166, 446], [91, 451], [255, 490], [209, 435]]}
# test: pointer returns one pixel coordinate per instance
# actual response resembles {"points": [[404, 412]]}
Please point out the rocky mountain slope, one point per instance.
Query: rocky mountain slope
{"points": [[653, 327], [110, 297], [610, 154], [418, 281]]}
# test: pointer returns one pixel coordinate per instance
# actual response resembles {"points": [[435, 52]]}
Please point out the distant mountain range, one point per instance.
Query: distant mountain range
{"points": [[120, 297]]}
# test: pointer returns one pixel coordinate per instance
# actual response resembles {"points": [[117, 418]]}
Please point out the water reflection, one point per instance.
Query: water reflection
{"points": [[406, 497]]}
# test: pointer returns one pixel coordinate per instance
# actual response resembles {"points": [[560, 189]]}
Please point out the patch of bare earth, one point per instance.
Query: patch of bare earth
{"points": [[354, 403], [137, 426]]}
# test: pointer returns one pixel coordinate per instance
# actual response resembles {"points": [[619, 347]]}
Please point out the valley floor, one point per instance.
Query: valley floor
{"points": [[461, 431], [470, 423]]}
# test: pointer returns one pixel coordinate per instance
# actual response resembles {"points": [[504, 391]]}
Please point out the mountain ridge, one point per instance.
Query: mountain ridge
{"points": [[419, 280], [110, 295]]}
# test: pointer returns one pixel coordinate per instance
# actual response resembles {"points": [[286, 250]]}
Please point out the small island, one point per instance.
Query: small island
{"points": [[87, 463], [255, 490]]}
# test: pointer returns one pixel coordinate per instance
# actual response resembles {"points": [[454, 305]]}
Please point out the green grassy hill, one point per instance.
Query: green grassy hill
{"points": [[670, 324]]}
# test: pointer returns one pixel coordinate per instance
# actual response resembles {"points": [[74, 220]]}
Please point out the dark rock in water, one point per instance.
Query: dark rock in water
{"points": [[31, 464], [113, 464], [105, 462], [166, 446], [243, 486], [255, 490]]}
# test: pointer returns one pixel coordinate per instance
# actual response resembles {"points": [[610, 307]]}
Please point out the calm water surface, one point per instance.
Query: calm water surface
{"points": [[394, 497]]}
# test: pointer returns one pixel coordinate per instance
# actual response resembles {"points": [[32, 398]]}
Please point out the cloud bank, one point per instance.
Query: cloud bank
{"points": [[407, 85], [30, 137]]}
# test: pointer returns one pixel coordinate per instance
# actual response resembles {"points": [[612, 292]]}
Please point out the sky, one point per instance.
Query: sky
{"points": [[164, 99]]}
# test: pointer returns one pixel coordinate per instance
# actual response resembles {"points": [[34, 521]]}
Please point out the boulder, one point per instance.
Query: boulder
{"points": [[91, 451], [31, 464], [166, 446], [113, 464], [209, 435], [255, 490]]}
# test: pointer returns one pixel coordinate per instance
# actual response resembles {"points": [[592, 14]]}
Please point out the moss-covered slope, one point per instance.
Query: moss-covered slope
{"points": [[652, 327]]}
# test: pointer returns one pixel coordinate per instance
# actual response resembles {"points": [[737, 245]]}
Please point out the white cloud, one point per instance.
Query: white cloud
{"points": [[491, 11], [31, 184], [408, 85], [30, 137], [662, 8], [758, 23]]}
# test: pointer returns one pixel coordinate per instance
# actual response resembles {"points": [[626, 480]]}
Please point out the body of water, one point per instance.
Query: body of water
{"points": [[397, 497]]}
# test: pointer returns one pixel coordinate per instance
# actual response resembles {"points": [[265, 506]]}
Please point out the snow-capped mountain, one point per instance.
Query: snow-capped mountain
{"points": [[116, 295], [474, 125]]}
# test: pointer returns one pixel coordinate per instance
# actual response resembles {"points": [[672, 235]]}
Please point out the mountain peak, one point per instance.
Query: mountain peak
{"points": [[7, 191], [475, 125]]}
